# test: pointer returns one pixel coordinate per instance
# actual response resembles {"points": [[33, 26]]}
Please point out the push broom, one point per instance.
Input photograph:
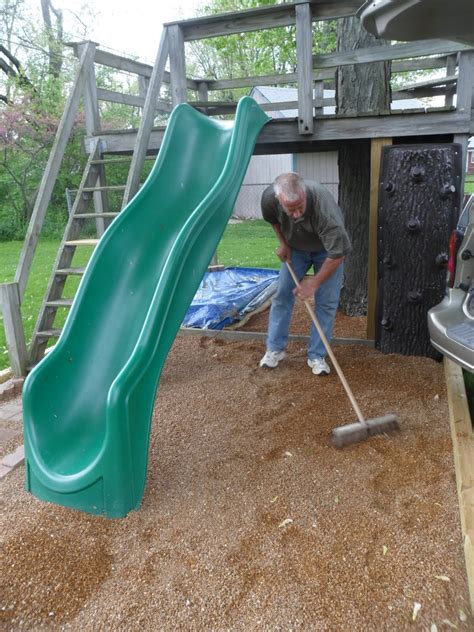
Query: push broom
{"points": [[364, 428]]}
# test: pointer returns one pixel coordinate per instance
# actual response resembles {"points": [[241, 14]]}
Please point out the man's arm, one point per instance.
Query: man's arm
{"points": [[311, 284], [283, 252]]}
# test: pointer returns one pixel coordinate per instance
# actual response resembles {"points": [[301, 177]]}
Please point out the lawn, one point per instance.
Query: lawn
{"points": [[246, 244], [469, 184]]}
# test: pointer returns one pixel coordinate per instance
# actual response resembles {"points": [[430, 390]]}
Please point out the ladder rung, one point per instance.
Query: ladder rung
{"points": [[49, 333], [70, 271], [94, 215], [109, 187], [108, 161], [59, 302], [82, 242]]}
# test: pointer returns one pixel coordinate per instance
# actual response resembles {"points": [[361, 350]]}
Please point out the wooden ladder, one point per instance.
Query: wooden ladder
{"points": [[91, 185], [93, 191]]}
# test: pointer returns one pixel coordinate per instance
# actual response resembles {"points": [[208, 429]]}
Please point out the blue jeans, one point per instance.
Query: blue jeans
{"points": [[326, 299]]}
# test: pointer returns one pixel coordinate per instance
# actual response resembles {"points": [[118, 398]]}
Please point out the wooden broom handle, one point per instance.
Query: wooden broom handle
{"points": [[322, 335]]}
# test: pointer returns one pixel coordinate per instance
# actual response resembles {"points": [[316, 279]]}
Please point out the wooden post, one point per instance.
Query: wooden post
{"points": [[319, 98], [463, 140], [92, 116], [451, 61], [146, 123], [304, 56], [465, 102], [177, 65], [375, 159], [203, 93], [13, 324], [463, 449], [52, 168], [143, 84], [465, 86]]}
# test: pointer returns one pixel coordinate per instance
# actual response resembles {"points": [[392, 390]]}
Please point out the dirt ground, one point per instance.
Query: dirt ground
{"points": [[251, 519]]}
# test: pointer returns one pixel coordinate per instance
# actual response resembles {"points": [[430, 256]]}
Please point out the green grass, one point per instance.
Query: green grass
{"points": [[37, 283], [248, 244], [469, 184]]}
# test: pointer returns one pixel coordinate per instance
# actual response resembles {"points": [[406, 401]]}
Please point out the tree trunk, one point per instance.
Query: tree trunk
{"points": [[360, 89], [354, 193], [55, 37]]}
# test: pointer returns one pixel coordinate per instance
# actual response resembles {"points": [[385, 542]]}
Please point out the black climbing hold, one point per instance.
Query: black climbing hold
{"points": [[417, 173], [413, 225], [447, 190], [415, 297], [388, 261], [386, 324], [441, 259]]}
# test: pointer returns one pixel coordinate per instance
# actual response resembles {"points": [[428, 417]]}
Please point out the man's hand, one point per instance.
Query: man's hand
{"points": [[306, 289], [283, 252]]}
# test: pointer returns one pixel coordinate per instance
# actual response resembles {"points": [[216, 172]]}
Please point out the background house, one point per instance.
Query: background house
{"points": [[470, 157], [319, 166]]}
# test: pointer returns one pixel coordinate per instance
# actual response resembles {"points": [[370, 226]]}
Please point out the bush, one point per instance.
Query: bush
{"points": [[9, 232]]}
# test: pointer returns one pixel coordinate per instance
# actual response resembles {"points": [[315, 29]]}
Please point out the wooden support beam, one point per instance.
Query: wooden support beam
{"points": [[463, 140], [304, 43], [130, 99], [463, 450], [279, 135], [52, 167], [375, 163], [118, 62], [465, 86], [318, 74], [237, 335], [388, 53], [267, 17], [13, 325], [146, 123], [177, 65], [451, 64]]}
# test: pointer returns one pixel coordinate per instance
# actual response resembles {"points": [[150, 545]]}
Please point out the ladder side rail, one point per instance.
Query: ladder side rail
{"points": [[52, 168], [93, 126], [63, 259]]}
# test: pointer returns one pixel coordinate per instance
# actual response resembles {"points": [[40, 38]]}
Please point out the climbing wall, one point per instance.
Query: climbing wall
{"points": [[419, 202]]}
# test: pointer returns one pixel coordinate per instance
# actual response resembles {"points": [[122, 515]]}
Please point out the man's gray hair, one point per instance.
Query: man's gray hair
{"points": [[290, 185]]}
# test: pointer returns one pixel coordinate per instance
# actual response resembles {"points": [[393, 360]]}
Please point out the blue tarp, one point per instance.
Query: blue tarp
{"points": [[226, 296]]}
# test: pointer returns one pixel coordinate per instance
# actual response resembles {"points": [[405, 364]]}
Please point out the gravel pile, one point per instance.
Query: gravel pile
{"points": [[251, 520]]}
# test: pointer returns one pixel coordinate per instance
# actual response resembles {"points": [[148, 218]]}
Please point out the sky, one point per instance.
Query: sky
{"points": [[134, 27]]}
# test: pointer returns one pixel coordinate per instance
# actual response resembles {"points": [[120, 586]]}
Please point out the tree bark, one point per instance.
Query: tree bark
{"points": [[360, 89], [55, 36]]}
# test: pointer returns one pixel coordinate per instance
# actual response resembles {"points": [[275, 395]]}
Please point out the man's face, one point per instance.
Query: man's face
{"points": [[294, 208]]}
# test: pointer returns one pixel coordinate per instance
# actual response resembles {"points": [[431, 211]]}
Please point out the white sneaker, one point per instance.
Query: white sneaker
{"points": [[319, 366], [272, 358]]}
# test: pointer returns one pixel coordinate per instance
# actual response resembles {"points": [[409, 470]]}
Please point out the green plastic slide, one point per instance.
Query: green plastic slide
{"points": [[88, 404]]}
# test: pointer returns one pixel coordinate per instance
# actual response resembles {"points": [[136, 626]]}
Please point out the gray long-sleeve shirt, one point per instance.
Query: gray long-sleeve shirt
{"points": [[320, 228]]}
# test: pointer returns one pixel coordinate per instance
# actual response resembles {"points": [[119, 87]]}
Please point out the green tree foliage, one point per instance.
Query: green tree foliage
{"points": [[36, 73], [268, 52]]}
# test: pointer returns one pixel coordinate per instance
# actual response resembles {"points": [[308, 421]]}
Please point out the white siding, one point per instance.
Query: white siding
{"points": [[262, 170], [321, 167]]}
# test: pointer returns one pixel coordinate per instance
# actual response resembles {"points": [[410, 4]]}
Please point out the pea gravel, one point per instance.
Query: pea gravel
{"points": [[251, 520]]}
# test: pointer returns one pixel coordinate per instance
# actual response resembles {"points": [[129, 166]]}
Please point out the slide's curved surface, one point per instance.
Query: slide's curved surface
{"points": [[87, 405]]}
